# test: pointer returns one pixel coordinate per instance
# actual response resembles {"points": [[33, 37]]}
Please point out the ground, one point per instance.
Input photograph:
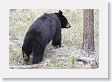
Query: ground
{"points": [[54, 58]]}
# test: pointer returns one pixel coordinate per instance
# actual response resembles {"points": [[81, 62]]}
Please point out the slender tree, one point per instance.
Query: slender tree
{"points": [[88, 31]]}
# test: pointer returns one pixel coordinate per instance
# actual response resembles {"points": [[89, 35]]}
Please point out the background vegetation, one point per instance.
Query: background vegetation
{"points": [[20, 21]]}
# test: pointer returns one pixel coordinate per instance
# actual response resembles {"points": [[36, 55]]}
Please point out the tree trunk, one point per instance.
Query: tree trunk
{"points": [[88, 31]]}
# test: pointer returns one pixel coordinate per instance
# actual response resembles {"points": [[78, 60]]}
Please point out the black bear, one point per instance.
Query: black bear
{"points": [[41, 32]]}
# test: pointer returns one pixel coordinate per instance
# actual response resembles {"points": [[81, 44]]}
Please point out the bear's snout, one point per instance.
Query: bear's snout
{"points": [[68, 25]]}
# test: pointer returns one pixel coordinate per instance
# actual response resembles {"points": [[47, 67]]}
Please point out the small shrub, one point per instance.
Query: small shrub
{"points": [[73, 61]]}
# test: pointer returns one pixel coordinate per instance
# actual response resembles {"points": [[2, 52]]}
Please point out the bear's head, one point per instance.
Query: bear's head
{"points": [[63, 19]]}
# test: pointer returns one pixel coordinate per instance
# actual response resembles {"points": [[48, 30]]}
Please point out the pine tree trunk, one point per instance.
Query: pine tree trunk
{"points": [[88, 31]]}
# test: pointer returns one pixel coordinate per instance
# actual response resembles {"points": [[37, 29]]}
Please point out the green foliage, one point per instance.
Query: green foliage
{"points": [[60, 65], [73, 60], [71, 63]]}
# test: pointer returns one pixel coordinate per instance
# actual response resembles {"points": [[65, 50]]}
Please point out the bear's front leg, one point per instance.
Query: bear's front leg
{"points": [[56, 42], [38, 54]]}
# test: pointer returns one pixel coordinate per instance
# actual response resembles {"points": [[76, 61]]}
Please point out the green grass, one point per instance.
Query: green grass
{"points": [[60, 65], [73, 60]]}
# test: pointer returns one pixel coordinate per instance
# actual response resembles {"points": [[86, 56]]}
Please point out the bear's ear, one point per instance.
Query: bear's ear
{"points": [[60, 12]]}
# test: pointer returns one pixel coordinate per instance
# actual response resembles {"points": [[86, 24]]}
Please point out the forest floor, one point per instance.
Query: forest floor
{"points": [[54, 58], [69, 56]]}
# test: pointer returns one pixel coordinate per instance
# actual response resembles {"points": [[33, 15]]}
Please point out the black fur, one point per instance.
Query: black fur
{"points": [[41, 32]]}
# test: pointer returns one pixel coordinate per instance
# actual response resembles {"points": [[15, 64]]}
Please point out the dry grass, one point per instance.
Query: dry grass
{"points": [[60, 58]]}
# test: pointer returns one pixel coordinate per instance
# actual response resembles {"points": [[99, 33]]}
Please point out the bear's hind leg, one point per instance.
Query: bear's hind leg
{"points": [[38, 54]]}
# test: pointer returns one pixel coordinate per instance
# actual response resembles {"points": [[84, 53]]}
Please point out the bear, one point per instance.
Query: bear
{"points": [[43, 30]]}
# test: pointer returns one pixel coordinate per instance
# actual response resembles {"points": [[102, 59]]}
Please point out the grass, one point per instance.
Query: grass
{"points": [[73, 60], [21, 19]]}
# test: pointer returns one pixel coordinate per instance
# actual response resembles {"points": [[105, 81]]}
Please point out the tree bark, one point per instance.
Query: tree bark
{"points": [[88, 31]]}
